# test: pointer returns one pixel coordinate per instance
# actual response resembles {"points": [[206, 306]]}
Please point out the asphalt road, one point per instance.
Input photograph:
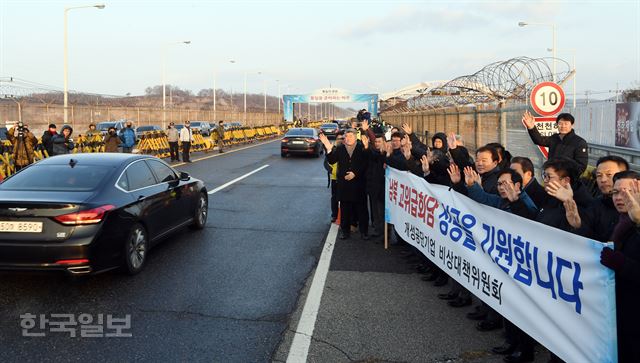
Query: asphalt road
{"points": [[221, 294]]}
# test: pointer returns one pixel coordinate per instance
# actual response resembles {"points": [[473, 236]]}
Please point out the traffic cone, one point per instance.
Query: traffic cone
{"points": [[338, 218]]}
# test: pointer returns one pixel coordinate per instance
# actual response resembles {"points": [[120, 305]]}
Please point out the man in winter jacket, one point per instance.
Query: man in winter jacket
{"points": [[186, 138], [128, 138], [352, 166], [46, 139], [62, 143], [220, 130], [524, 167], [23, 146], [111, 141], [332, 170], [598, 220], [173, 136], [563, 144]]}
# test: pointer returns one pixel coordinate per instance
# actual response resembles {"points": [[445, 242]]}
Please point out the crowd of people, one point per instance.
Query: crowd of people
{"points": [[495, 178], [24, 143]]}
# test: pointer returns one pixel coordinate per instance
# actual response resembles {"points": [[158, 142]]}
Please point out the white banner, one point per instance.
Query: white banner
{"points": [[548, 282]]}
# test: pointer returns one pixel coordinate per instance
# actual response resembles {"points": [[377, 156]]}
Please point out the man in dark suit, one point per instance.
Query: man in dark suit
{"points": [[563, 144], [351, 180], [524, 167]]}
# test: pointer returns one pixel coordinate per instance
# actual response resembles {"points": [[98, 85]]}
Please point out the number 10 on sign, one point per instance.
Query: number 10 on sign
{"points": [[547, 98]]}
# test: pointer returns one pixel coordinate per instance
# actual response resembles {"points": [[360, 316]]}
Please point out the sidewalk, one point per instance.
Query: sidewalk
{"points": [[374, 308]]}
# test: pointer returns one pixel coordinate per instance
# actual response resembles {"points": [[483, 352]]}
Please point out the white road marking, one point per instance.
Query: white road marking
{"points": [[302, 339], [237, 179], [226, 152]]}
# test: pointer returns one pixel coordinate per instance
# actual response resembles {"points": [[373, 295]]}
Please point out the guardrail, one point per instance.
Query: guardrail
{"points": [[631, 155]]}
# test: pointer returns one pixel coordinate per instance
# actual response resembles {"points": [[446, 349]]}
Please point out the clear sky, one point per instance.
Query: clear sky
{"points": [[362, 46]]}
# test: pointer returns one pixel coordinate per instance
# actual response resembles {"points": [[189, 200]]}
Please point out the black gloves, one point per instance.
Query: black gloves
{"points": [[612, 259]]}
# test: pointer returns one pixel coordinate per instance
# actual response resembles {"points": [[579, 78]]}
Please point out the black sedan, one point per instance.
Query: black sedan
{"points": [[301, 140], [330, 129], [87, 213]]}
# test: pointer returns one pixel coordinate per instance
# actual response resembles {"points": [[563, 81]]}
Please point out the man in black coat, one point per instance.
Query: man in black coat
{"points": [[376, 152], [570, 196], [47, 139], [563, 144], [624, 259], [351, 180], [600, 218], [486, 165], [524, 167]]}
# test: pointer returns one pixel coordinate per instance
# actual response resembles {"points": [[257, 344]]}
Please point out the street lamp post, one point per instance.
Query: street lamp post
{"points": [[553, 29], [164, 78], [66, 56]]}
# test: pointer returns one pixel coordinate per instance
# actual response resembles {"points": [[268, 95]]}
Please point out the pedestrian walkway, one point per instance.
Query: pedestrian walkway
{"points": [[375, 308]]}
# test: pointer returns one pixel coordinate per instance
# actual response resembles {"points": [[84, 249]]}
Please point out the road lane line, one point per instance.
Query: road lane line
{"points": [[302, 339], [237, 179], [226, 152]]}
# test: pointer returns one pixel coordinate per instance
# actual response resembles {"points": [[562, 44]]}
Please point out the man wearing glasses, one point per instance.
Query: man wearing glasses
{"points": [[566, 193]]}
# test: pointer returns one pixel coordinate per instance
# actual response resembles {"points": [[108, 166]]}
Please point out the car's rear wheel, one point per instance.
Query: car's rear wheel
{"points": [[135, 249], [201, 213]]}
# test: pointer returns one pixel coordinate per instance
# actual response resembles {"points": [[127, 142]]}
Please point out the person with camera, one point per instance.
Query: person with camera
{"points": [[111, 141], [23, 142], [62, 143], [47, 136]]}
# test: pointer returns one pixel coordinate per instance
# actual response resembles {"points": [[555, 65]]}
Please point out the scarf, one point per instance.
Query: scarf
{"points": [[623, 226], [350, 149]]}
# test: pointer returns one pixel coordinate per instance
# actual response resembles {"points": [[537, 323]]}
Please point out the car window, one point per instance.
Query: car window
{"points": [[79, 178], [139, 176], [123, 182], [300, 132], [163, 172]]}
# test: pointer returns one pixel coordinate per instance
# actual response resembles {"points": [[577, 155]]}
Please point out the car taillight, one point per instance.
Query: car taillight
{"points": [[89, 216], [311, 141], [72, 262], [285, 140]]}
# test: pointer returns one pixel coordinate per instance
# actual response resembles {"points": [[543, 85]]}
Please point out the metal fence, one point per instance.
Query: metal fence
{"points": [[39, 116], [502, 122]]}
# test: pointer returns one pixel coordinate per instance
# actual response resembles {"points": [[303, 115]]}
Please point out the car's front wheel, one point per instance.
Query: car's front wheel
{"points": [[135, 249], [201, 212]]}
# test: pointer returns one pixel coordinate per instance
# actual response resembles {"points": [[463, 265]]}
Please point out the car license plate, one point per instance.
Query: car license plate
{"points": [[26, 227], [297, 142]]}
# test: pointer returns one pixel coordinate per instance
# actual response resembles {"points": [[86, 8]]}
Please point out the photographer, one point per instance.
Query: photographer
{"points": [[111, 141], [23, 142], [62, 143]]}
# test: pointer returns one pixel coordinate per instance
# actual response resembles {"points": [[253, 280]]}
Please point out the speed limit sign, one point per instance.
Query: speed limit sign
{"points": [[547, 98]]}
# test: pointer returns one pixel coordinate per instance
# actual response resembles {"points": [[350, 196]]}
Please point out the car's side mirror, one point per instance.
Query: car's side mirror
{"points": [[184, 176]]}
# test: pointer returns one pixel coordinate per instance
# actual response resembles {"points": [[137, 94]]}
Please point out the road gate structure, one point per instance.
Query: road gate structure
{"points": [[329, 95]]}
